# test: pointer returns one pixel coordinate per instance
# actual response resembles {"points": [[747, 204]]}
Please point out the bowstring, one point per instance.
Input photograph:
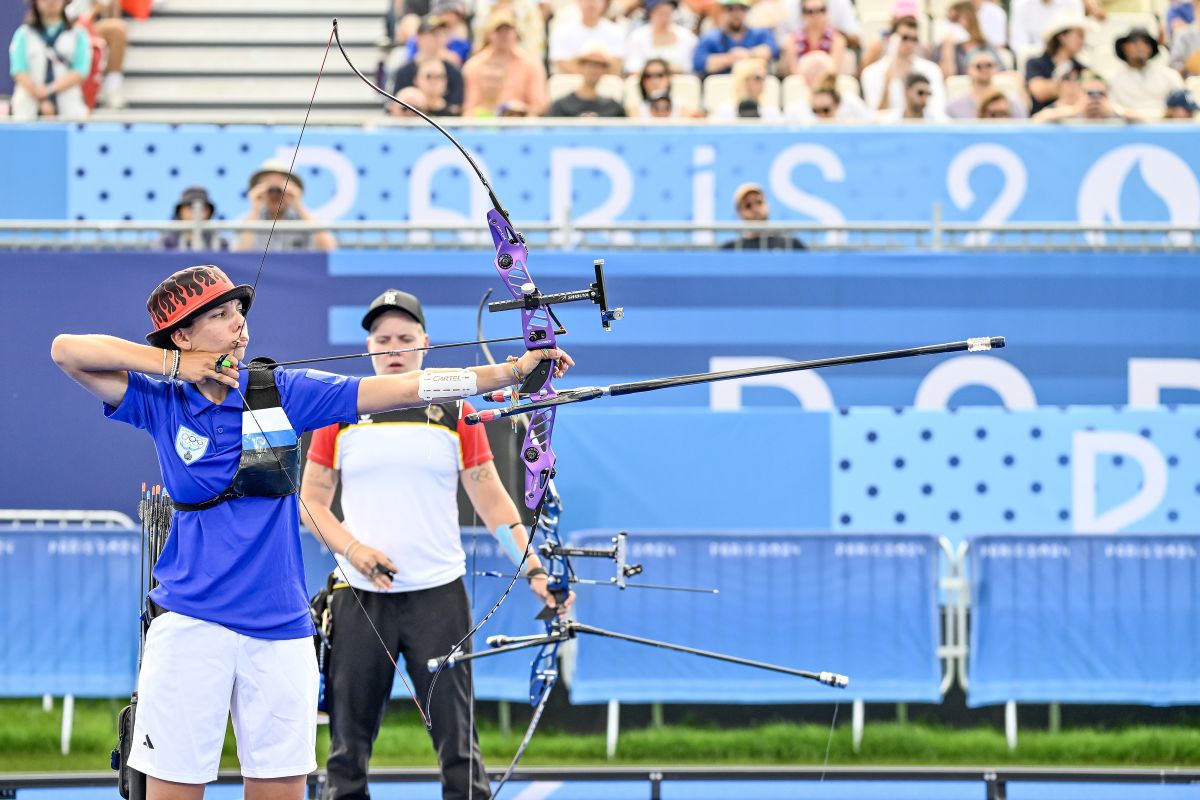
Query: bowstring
{"points": [[295, 488], [829, 742]]}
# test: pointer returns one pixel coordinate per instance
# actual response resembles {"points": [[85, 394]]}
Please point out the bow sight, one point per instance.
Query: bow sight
{"points": [[534, 299]]}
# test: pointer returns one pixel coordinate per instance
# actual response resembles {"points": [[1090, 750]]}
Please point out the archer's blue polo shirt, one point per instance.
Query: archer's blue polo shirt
{"points": [[239, 563]]}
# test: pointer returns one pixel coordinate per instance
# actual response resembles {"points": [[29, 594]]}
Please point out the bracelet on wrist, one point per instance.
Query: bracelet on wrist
{"points": [[512, 363], [175, 366], [350, 549], [535, 572]]}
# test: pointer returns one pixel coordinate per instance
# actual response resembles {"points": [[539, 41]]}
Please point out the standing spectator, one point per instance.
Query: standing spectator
{"points": [[917, 91], [997, 105], [1139, 83], [592, 64], [875, 47], [185, 210], [661, 38], [103, 19], [749, 80], [1043, 75], [569, 39], [721, 48], [1029, 19], [277, 193], [1083, 99], [1181, 105], [502, 72], [961, 35], [883, 81], [816, 36], [751, 205], [981, 68], [430, 59], [48, 59]]}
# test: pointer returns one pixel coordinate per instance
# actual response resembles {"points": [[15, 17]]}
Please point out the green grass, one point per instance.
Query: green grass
{"points": [[29, 742]]}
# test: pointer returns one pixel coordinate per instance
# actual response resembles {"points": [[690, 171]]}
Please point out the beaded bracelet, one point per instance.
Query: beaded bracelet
{"points": [[512, 363]]}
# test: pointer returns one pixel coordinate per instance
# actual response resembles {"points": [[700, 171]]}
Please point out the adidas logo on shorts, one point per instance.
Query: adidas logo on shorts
{"points": [[148, 743]]}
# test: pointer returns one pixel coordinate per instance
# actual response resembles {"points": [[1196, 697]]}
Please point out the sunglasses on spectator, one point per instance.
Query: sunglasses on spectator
{"points": [[434, 76], [997, 113], [756, 77], [751, 202], [909, 37], [921, 92], [984, 65], [655, 75], [823, 111], [814, 10], [1097, 94]]}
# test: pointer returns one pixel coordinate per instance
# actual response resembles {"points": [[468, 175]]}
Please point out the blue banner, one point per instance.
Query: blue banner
{"points": [[860, 605], [632, 173], [1092, 329], [1085, 619]]}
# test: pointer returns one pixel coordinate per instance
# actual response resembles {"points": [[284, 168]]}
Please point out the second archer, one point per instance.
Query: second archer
{"points": [[400, 546]]}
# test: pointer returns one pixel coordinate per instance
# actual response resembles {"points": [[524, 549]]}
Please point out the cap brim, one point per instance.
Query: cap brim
{"points": [[243, 292]]}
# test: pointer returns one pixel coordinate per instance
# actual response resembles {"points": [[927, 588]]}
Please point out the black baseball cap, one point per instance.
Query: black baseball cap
{"points": [[393, 300]]}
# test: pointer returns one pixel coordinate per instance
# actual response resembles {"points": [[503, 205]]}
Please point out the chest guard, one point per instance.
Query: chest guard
{"points": [[270, 462]]}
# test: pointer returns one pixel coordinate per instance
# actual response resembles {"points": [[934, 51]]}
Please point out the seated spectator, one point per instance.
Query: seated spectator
{"points": [[591, 65], [1029, 19], [660, 106], [1064, 36], [1085, 99], [1185, 51], [751, 205], [413, 97], [502, 72], [661, 38], [1181, 105], [193, 199], [749, 80], [530, 16], [103, 19], [875, 47], [981, 68], [656, 80], [917, 91], [841, 13], [49, 57], [993, 22], [883, 82], [825, 102], [1181, 15], [961, 35], [816, 36], [998, 105], [1139, 83], [277, 193], [569, 39], [430, 60], [721, 48], [452, 37], [817, 73]]}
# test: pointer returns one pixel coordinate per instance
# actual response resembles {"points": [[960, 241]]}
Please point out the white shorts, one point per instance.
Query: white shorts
{"points": [[195, 674]]}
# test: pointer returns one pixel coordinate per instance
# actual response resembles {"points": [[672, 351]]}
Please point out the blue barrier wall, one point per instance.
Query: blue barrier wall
{"points": [[1085, 619], [992, 174], [864, 606]]}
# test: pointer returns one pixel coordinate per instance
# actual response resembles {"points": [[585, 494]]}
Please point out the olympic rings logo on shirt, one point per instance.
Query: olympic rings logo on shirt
{"points": [[191, 442]]}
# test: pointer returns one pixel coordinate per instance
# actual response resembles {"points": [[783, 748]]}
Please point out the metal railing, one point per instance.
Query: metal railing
{"points": [[566, 234]]}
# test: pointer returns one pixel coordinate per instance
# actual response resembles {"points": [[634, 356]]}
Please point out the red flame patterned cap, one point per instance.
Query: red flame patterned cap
{"points": [[188, 293]]}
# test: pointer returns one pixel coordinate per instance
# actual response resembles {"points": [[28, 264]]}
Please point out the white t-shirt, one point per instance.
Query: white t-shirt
{"points": [[841, 14], [1030, 17], [1144, 89], [994, 24], [568, 40], [873, 79], [399, 476], [640, 48]]}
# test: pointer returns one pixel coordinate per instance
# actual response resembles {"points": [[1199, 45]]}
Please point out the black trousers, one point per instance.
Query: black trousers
{"points": [[416, 626]]}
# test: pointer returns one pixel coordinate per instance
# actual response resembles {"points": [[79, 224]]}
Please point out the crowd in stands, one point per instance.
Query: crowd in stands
{"points": [[799, 60], [782, 60]]}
